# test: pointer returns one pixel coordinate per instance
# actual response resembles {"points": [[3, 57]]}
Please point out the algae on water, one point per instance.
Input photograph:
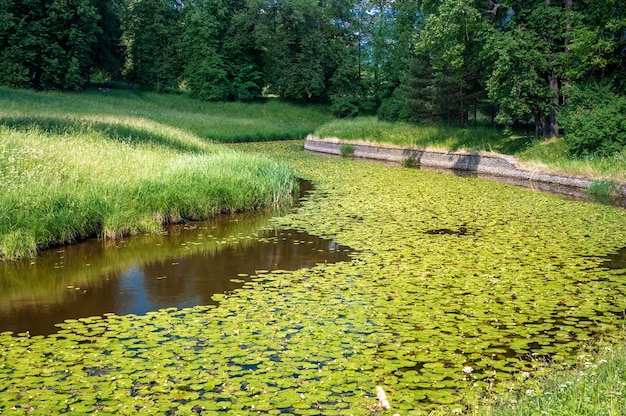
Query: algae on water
{"points": [[424, 315]]}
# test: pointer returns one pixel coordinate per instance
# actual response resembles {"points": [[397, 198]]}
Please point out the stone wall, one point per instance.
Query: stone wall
{"points": [[499, 167]]}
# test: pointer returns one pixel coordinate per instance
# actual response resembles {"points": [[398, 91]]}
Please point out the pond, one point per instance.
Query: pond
{"points": [[182, 267], [457, 287]]}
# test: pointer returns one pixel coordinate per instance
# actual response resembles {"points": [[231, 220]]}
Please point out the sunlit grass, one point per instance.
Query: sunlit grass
{"points": [[548, 154], [369, 129], [228, 122], [66, 174], [552, 153], [596, 386]]}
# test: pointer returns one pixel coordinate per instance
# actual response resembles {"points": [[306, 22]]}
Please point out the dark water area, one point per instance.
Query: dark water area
{"points": [[182, 267], [615, 261]]}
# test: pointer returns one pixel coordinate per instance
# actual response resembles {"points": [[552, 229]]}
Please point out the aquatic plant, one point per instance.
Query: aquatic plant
{"points": [[347, 150], [517, 284], [603, 191]]}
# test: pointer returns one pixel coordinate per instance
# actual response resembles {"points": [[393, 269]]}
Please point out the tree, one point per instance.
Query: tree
{"points": [[525, 53], [48, 45], [205, 71], [108, 54], [516, 80], [222, 62], [152, 36], [452, 37], [596, 43], [298, 60]]}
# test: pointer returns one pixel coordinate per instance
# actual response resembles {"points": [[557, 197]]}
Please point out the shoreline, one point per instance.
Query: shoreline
{"points": [[503, 168]]}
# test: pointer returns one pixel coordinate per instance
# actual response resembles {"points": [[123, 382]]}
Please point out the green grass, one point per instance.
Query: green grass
{"points": [[74, 166], [347, 150], [225, 122], [596, 386], [369, 129], [548, 154]]}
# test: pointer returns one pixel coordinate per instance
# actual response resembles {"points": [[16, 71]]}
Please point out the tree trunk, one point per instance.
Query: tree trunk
{"points": [[568, 29], [551, 128], [474, 101], [463, 116], [540, 121]]}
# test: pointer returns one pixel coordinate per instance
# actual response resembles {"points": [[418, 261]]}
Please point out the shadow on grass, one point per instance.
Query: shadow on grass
{"points": [[517, 145], [117, 132]]}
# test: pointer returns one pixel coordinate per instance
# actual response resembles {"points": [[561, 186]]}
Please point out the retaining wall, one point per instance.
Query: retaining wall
{"points": [[499, 167]]}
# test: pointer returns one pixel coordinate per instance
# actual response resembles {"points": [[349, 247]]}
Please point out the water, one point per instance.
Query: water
{"points": [[615, 260], [182, 267]]}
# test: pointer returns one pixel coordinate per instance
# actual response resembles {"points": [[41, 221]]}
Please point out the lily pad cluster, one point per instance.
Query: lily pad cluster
{"points": [[426, 315]]}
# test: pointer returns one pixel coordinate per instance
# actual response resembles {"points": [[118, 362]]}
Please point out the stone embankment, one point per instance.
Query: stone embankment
{"points": [[503, 168]]}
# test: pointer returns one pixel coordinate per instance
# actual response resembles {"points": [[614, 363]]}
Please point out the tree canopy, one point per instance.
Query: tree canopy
{"points": [[423, 61]]}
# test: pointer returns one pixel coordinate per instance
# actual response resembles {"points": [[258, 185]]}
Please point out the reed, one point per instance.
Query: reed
{"points": [[68, 176]]}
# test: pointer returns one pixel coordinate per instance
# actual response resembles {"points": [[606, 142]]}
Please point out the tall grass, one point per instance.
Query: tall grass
{"points": [[225, 122], [597, 386], [67, 175], [369, 129], [551, 154]]}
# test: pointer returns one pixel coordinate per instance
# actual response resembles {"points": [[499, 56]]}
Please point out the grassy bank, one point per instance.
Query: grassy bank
{"points": [[73, 166], [542, 154], [596, 385]]}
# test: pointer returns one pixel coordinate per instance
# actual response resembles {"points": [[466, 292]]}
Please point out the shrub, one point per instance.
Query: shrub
{"points": [[347, 150], [595, 123], [390, 110], [409, 162], [345, 106]]}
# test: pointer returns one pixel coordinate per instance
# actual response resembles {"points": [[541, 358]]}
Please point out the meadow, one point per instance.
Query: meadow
{"points": [[223, 122], [80, 165]]}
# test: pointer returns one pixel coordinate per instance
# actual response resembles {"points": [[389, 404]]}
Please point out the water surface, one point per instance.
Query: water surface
{"points": [[182, 267]]}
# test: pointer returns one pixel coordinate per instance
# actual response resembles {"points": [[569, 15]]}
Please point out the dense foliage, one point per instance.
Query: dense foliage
{"points": [[422, 61]]}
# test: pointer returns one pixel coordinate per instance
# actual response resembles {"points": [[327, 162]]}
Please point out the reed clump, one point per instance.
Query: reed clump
{"points": [[65, 178]]}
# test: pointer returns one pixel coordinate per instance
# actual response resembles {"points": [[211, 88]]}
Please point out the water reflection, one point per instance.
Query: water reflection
{"points": [[182, 267], [616, 260]]}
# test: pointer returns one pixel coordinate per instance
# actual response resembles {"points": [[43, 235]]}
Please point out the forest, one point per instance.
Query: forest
{"points": [[558, 67]]}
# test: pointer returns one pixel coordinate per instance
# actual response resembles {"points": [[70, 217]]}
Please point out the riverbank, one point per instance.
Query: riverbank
{"points": [[455, 283], [110, 178], [114, 163], [503, 168]]}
